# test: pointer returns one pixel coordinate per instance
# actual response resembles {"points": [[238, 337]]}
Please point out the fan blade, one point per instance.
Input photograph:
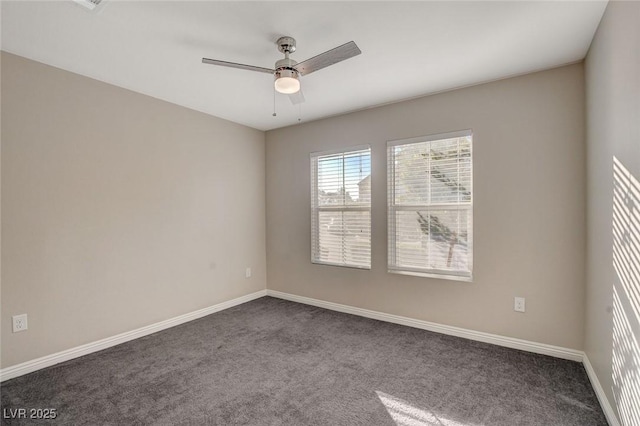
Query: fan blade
{"points": [[296, 98], [234, 65], [327, 58]]}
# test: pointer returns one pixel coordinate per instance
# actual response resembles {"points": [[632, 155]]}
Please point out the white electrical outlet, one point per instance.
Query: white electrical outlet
{"points": [[518, 304], [19, 323], [247, 273]]}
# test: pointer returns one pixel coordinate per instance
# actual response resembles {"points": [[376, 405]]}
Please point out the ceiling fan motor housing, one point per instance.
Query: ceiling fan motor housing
{"points": [[291, 73], [286, 68]]}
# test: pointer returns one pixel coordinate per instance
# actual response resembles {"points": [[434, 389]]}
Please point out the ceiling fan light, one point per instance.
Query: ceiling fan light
{"points": [[287, 85], [287, 81]]}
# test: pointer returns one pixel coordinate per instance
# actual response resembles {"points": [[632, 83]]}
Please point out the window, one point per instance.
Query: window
{"points": [[430, 206], [341, 208]]}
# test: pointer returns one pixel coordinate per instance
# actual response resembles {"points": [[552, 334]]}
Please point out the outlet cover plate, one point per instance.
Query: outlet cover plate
{"points": [[19, 322], [518, 304]]}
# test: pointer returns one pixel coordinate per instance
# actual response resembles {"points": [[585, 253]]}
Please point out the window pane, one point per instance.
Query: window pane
{"points": [[433, 172], [341, 179], [344, 237], [433, 239]]}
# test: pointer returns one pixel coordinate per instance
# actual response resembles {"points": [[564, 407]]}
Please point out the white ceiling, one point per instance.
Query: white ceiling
{"points": [[409, 49]]}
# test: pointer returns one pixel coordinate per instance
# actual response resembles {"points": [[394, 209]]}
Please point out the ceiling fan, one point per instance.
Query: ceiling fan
{"points": [[287, 71]]}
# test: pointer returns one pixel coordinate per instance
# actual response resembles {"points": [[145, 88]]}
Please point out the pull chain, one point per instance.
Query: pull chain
{"points": [[274, 101]]}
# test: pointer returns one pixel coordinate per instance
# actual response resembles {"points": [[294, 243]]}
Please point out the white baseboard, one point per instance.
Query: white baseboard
{"points": [[66, 355], [509, 342], [609, 412]]}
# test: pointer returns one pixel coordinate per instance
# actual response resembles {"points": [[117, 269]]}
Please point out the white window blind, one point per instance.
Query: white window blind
{"points": [[429, 186], [341, 208]]}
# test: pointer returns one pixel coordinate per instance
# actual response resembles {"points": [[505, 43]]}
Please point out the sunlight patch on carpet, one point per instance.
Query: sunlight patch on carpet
{"points": [[407, 414]]}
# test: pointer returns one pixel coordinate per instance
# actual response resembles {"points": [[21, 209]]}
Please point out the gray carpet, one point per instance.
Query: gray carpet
{"points": [[273, 362]]}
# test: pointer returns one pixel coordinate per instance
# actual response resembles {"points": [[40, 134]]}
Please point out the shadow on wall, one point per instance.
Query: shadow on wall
{"points": [[626, 294]]}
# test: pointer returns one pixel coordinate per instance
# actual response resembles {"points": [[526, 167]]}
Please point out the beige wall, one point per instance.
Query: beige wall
{"points": [[529, 211], [118, 210], [613, 145]]}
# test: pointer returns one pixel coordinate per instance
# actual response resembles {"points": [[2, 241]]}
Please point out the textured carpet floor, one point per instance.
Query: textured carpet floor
{"points": [[273, 362]]}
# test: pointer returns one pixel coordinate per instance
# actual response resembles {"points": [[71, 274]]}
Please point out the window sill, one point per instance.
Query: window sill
{"points": [[432, 275], [362, 268]]}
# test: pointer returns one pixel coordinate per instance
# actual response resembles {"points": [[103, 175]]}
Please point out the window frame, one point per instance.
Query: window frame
{"points": [[316, 209], [392, 210]]}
